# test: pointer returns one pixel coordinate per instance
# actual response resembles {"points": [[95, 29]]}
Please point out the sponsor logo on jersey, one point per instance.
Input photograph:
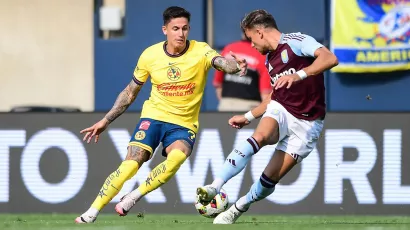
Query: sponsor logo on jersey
{"points": [[175, 89], [286, 72]]}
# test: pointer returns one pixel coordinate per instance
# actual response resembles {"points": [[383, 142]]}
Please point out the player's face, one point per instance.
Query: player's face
{"points": [[258, 42], [177, 31]]}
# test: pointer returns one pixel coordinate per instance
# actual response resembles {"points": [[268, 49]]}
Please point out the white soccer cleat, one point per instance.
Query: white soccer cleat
{"points": [[205, 194], [229, 216], [125, 205], [85, 219]]}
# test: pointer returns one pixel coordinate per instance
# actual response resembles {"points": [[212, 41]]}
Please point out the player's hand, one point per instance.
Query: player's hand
{"points": [[94, 131], [286, 80], [238, 121], [243, 65]]}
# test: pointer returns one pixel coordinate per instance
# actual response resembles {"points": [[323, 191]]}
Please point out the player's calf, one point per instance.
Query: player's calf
{"points": [[135, 158], [234, 164], [259, 191], [160, 175]]}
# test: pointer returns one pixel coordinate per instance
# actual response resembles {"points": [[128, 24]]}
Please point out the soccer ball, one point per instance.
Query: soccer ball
{"points": [[217, 205]]}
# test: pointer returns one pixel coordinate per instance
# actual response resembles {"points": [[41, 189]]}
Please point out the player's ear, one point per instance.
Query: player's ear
{"points": [[259, 32], [164, 30]]}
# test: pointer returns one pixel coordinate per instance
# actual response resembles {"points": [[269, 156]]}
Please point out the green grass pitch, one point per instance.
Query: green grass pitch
{"points": [[188, 222]]}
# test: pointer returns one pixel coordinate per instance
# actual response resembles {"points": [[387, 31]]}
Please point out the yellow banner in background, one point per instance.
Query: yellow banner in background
{"points": [[371, 35]]}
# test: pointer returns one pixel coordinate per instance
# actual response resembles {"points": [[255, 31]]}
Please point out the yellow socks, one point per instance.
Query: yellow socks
{"points": [[158, 176], [114, 183], [163, 172]]}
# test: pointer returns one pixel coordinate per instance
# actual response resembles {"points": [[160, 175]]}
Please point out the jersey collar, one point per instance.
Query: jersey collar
{"points": [[281, 38], [175, 55]]}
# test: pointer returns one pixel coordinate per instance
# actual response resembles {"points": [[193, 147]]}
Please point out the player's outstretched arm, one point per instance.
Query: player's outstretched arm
{"points": [[231, 65], [124, 100], [239, 121], [259, 110]]}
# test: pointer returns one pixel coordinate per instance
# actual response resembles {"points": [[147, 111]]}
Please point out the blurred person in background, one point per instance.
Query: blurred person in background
{"points": [[242, 93], [178, 68]]}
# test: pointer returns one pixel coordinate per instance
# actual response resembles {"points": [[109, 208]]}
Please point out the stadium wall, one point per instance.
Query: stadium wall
{"points": [[46, 53], [358, 167], [116, 58]]}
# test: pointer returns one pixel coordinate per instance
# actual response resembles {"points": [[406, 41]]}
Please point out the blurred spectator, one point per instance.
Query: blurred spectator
{"points": [[242, 93]]}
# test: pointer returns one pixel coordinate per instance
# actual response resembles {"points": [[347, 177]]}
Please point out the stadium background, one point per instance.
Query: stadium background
{"points": [[52, 53]]}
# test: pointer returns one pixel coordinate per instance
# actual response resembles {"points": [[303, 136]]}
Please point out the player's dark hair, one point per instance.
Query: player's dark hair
{"points": [[258, 18], [175, 12]]}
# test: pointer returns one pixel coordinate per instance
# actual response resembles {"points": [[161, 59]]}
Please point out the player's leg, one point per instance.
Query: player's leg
{"points": [[178, 144], [136, 156], [280, 164], [139, 151], [302, 139], [271, 129], [177, 153]]}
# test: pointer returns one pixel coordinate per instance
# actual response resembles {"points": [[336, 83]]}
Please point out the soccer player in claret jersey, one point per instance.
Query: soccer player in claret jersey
{"points": [[292, 117], [178, 68]]}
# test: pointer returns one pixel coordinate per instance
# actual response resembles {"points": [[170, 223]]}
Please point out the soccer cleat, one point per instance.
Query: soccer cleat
{"points": [[229, 216], [125, 205], [84, 219], [205, 194]]}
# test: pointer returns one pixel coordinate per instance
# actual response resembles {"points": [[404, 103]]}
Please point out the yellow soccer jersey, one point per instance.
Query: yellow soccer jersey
{"points": [[178, 82]]}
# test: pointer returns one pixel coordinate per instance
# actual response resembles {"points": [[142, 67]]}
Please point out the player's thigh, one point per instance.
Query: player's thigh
{"points": [[302, 138], [144, 140], [180, 138], [279, 165], [267, 131], [292, 149], [273, 126]]}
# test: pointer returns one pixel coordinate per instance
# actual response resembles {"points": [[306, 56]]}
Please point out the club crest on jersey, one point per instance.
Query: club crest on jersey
{"points": [[285, 57], [140, 135], [173, 73]]}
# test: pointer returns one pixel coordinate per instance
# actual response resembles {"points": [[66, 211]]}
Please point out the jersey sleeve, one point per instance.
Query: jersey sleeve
{"points": [[304, 45], [309, 45], [210, 55], [141, 71]]}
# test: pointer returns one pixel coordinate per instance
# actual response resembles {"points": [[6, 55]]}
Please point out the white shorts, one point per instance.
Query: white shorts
{"points": [[297, 137]]}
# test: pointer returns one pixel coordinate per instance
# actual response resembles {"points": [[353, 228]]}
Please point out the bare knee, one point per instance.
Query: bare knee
{"points": [[181, 145], [264, 138], [138, 154]]}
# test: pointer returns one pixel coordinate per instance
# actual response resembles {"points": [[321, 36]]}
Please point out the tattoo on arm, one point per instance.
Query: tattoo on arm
{"points": [[124, 100], [226, 65]]}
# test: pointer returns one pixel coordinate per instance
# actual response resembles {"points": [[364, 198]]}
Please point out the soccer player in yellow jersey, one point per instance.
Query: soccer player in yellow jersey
{"points": [[178, 68]]}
